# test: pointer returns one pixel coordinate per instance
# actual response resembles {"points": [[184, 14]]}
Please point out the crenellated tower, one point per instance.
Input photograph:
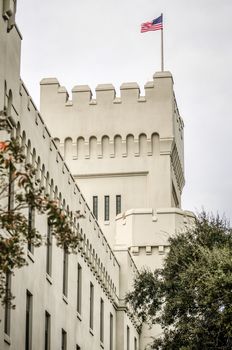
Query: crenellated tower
{"points": [[117, 160], [129, 148], [127, 155]]}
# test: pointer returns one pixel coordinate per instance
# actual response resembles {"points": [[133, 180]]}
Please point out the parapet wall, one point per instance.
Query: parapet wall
{"points": [[108, 114], [160, 225], [116, 127]]}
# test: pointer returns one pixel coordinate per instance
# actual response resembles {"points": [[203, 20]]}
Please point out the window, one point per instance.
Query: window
{"points": [[11, 189], [63, 340], [31, 227], [79, 288], [127, 338], [91, 304], [65, 273], [101, 320], [28, 335], [78, 347], [135, 343], [7, 304], [95, 206], [47, 330], [175, 198], [49, 250], [107, 208], [111, 331], [118, 204]]}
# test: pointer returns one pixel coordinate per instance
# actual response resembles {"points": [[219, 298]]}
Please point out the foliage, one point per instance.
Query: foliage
{"points": [[191, 296], [21, 191]]}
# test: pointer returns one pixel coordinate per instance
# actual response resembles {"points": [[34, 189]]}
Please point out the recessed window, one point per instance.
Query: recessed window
{"points": [[49, 250], [127, 338], [47, 331], [63, 340], [101, 320], [65, 273], [95, 206], [111, 331], [118, 204], [28, 328], [7, 305], [11, 189], [31, 227], [135, 343], [91, 306], [79, 288], [107, 208]]}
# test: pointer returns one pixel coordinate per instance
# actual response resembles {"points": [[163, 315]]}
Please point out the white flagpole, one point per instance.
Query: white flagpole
{"points": [[162, 47]]}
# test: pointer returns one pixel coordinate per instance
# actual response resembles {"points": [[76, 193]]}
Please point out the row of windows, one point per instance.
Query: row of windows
{"points": [[65, 286], [31, 227], [65, 258], [107, 206], [30, 246], [47, 328], [47, 325], [47, 335]]}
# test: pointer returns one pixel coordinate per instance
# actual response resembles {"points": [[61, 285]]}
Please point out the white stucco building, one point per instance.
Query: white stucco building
{"points": [[120, 161]]}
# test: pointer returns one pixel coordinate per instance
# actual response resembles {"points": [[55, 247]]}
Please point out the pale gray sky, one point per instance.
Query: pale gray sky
{"points": [[92, 42]]}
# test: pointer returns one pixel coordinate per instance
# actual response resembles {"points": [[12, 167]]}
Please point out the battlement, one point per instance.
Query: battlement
{"points": [[112, 125], [109, 114], [82, 94]]}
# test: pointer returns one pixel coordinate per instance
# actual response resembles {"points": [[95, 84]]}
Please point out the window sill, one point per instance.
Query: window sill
{"points": [[7, 339], [30, 256], [65, 299], [48, 278], [106, 222], [91, 331], [79, 316]]}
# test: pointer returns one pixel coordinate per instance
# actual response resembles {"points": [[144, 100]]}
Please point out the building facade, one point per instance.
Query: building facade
{"points": [[119, 160]]}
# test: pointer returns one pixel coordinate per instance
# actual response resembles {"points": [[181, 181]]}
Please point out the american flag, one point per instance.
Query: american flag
{"points": [[156, 24]]}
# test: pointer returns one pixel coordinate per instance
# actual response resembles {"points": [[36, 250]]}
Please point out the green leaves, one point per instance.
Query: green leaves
{"points": [[20, 192], [191, 296]]}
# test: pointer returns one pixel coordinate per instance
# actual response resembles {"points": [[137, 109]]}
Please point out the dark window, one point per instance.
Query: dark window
{"points": [[95, 206], [135, 344], [91, 305], [118, 205], [28, 335], [101, 320], [175, 198], [49, 250], [111, 331], [11, 190], [107, 208], [63, 340], [78, 347], [127, 338], [79, 287], [31, 227], [47, 330], [65, 273], [7, 304]]}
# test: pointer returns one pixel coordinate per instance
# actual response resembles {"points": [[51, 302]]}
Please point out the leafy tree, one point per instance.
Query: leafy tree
{"points": [[191, 296], [20, 191]]}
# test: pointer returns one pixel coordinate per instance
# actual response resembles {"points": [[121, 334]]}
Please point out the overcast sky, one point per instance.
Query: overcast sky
{"points": [[99, 41]]}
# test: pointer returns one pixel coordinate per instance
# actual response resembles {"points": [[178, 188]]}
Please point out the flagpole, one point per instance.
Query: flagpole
{"points": [[162, 47]]}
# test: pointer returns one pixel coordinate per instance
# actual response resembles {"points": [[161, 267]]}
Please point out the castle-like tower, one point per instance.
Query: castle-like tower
{"points": [[119, 160], [127, 155]]}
